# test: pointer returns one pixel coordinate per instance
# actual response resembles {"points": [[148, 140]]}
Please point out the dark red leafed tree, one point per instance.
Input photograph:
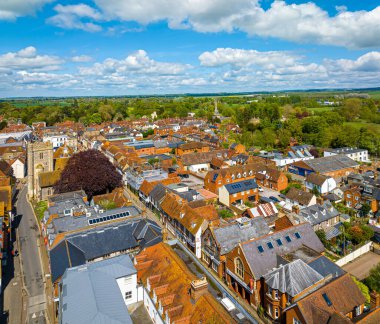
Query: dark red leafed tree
{"points": [[91, 171]]}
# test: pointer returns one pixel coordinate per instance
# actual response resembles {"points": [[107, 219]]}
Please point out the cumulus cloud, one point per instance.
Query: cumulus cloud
{"points": [[72, 16], [12, 9], [81, 58], [304, 23], [27, 58]]}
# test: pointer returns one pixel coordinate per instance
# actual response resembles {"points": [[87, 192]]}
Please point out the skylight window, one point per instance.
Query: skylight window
{"points": [[327, 299], [260, 248], [297, 235], [288, 239], [279, 242], [270, 245]]}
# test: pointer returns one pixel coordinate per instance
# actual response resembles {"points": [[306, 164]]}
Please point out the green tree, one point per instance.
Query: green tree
{"points": [[364, 289], [373, 280]]}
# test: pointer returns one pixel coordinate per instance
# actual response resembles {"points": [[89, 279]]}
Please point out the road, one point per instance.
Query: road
{"points": [[30, 260], [361, 266]]}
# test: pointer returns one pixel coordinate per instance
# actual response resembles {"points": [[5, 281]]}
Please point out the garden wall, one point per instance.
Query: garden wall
{"points": [[353, 255]]}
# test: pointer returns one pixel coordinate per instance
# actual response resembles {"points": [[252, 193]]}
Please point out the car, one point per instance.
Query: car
{"points": [[274, 199], [260, 189]]}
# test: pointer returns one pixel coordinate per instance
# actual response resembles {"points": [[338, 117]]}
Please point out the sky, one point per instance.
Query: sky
{"points": [[132, 47]]}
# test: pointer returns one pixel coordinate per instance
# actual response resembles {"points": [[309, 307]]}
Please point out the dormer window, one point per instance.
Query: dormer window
{"points": [[233, 177], [239, 175], [244, 174]]}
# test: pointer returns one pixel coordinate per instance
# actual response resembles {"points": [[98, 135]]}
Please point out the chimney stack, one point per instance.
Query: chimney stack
{"points": [[319, 200], [198, 288], [296, 209], [375, 300]]}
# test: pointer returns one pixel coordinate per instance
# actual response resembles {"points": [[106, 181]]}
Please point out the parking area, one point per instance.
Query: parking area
{"points": [[361, 266], [269, 192]]}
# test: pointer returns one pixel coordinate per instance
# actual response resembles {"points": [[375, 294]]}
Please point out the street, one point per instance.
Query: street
{"points": [[30, 260]]}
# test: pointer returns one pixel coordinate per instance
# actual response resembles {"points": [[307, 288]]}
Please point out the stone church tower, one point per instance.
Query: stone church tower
{"points": [[40, 159]]}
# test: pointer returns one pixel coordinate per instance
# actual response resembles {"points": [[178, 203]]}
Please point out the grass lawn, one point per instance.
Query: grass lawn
{"points": [[319, 109], [40, 208], [360, 124]]}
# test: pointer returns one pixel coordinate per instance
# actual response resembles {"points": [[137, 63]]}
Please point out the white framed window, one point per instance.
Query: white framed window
{"points": [[206, 258], [296, 321], [128, 295], [358, 311], [276, 294], [239, 268], [214, 267], [276, 313]]}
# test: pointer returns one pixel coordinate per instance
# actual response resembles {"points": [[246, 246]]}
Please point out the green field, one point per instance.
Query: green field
{"points": [[361, 124], [374, 94], [319, 109]]}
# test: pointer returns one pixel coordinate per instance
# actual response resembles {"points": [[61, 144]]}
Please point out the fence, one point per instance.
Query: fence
{"points": [[353, 255]]}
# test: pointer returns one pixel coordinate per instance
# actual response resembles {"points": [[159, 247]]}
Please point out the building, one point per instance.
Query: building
{"points": [[218, 241], [40, 159], [355, 196], [335, 166], [359, 155], [172, 294], [249, 261], [99, 292], [200, 162], [319, 182], [339, 301], [192, 147], [239, 192], [298, 197], [267, 210], [56, 140]]}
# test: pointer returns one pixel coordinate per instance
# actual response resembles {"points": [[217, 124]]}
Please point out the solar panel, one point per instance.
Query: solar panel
{"points": [[327, 299], [260, 248], [270, 245], [288, 239], [297, 235], [279, 242]]}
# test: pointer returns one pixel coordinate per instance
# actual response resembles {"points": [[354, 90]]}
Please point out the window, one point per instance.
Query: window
{"points": [[296, 321], [128, 295], [214, 267], [260, 248], [270, 245], [239, 269], [276, 294], [327, 299], [41, 156], [206, 258], [276, 313], [358, 311], [279, 242], [269, 310], [288, 239], [297, 235]]}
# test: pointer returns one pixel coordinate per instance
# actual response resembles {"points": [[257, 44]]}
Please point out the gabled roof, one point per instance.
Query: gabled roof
{"points": [[292, 278], [317, 213], [265, 210], [240, 186], [49, 179], [300, 196], [204, 157], [262, 262], [343, 295], [331, 163], [316, 179], [90, 293]]}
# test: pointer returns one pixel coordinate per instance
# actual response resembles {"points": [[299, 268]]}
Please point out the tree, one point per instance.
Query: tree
{"points": [[365, 209], [91, 171], [363, 288], [322, 236], [373, 280], [107, 204]]}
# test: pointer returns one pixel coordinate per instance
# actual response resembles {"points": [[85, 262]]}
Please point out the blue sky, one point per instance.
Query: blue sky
{"points": [[121, 47]]}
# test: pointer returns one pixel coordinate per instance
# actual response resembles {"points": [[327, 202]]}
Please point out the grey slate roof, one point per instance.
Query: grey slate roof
{"points": [[292, 278], [78, 248], [326, 267], [90, 293], [317, 213], [230, 236], [158, 192], [262, 262], [240, 186], [331, 163]]}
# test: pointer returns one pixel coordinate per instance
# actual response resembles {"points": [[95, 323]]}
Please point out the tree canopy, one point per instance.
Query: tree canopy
{"points": [[91, 171]]}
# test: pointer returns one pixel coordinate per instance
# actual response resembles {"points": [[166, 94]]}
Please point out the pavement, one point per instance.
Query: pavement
{"points": [[29, 237], [270, 192], [361, 266]]}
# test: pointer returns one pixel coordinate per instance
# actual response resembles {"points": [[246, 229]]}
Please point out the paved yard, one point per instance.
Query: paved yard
{"points": [[361, 266]]}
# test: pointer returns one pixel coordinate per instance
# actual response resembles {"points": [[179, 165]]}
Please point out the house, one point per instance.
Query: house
{"points": [[357, 154], [185, 222], [335, 166], [239, 192], [200, 162], [264, 210], [339, 301], [300, 198], [171, 293], [319, 182], [102, 242], [192, 147], [218, 241], [248, 262], [355, 196], [83, 288], [19, 168], [271, 178]]}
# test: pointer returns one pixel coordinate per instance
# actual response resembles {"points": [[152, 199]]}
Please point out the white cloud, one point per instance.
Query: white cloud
{"points": [[12, 9], [241, 58], [304, 23], [71, 17], [81, 58], [28, 58], [138, 62]]}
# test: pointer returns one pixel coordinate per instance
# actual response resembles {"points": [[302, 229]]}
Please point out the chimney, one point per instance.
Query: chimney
{"points": [[296, 209], [319, 200], [198, 288], [375, 300]]}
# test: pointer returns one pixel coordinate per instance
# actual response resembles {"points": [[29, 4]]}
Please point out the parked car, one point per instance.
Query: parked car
{"points": [[274, 199], [260, 189]]}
